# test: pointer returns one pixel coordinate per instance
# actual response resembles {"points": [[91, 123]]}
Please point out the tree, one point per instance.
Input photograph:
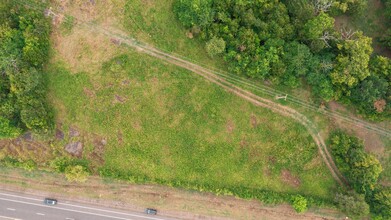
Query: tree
{"points": [[24, 46], [76, 173], [352, 62], [321, 85], [318, 31], [368, 93], [194, 13], [364, 170], [215, 46], [322, 5], [361, 169], [353, 7], [315, 27], [298, 60], [299, 203], [381, 202], [352, 204]]}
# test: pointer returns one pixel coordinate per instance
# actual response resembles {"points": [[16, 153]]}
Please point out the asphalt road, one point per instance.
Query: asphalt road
{"points": [[24, 207]]}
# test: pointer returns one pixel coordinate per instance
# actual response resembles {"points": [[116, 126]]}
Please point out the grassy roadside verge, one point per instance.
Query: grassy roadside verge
{"points": [[169, 201]]}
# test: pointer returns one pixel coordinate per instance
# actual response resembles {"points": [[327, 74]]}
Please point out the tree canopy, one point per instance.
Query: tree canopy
{"points": [[24, 45]]}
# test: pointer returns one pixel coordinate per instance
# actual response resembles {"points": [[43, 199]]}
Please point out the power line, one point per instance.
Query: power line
{"points": [[295, 100], [222, 82], [234, 78]]}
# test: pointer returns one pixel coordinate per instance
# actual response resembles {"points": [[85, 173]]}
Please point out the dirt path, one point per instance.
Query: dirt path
{"points": [[220, 81]]}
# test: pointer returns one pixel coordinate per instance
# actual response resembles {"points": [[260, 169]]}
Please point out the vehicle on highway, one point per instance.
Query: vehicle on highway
{"points": [[49, 201], [150, 211]]}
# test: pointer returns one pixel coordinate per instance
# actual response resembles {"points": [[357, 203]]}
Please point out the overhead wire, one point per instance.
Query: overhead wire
{"points": [[238, 80]]}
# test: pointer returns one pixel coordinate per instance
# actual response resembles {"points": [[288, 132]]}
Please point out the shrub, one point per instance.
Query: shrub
{"points": [[60, 163], [194, 13], [352, 204], [76, 173], [361, 169], [7, 130], [215, 46], [381, 202], [28, 165], [299, 203]]}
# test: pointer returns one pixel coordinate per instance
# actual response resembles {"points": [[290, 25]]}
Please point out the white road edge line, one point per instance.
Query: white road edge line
{"points": [[39, 213], [69, 218], [6, 217], [70, 210], [5, 194], [11, 209], [84, 207]]}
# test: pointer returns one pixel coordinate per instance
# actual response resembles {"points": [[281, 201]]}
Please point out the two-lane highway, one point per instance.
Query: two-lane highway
{"points": [[22, 207]]}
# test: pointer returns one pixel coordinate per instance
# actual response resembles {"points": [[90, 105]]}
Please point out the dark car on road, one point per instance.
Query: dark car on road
{"points": [[151, 211], [49, 201]]}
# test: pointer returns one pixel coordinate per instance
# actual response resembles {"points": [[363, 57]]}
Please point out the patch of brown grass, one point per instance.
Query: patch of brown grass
{"points": [[288, 178], [83, 50]]}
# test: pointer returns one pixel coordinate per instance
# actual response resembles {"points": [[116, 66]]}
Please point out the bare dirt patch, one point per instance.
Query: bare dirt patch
{"points": [[243, 143], [253, 121], [97, 154], [119, 99], [73, 132], [136, 125], [74, 148], [59, 134], [119, 137], [230, 126], [288, 178], [88, 92]]}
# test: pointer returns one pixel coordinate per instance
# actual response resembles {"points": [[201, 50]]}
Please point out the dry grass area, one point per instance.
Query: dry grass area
{"points": [[169, 201], [83, 49]]}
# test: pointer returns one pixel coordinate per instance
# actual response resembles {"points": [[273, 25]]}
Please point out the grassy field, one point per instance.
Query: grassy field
{"points": [[164, 123]]}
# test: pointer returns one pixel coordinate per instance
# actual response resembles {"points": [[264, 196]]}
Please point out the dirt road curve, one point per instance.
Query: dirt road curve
{"points": [[256, 100]]}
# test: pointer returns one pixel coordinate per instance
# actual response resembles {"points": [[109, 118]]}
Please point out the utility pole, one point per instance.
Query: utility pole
{"points": [[282, 97]]}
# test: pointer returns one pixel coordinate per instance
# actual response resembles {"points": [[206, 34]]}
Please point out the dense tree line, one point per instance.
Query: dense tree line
{"points": [[24, 45], [386, 39], [362, 171], [291, 42]]}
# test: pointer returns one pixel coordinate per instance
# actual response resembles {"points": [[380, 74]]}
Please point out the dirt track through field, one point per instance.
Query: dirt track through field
{"points": [[121, 38], [220, 81]]}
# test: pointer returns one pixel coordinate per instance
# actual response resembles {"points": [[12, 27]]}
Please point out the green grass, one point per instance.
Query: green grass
{"points": [[178, 127], [155, 23]]}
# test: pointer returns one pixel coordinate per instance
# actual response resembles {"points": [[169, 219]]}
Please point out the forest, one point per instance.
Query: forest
{"points": [[24, 48], [292, 43]]}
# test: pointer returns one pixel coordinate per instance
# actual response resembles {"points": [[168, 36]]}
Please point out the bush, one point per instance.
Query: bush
{"points": [[299, 203], [194, 13], [7, 130], [381, 202], [352, 204], [215, 46], [9, 161], [361, 169], [59, 164], [76, 173]]}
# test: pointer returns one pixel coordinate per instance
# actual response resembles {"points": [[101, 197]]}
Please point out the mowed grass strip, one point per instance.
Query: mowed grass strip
{"points": [[165, 123]]}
